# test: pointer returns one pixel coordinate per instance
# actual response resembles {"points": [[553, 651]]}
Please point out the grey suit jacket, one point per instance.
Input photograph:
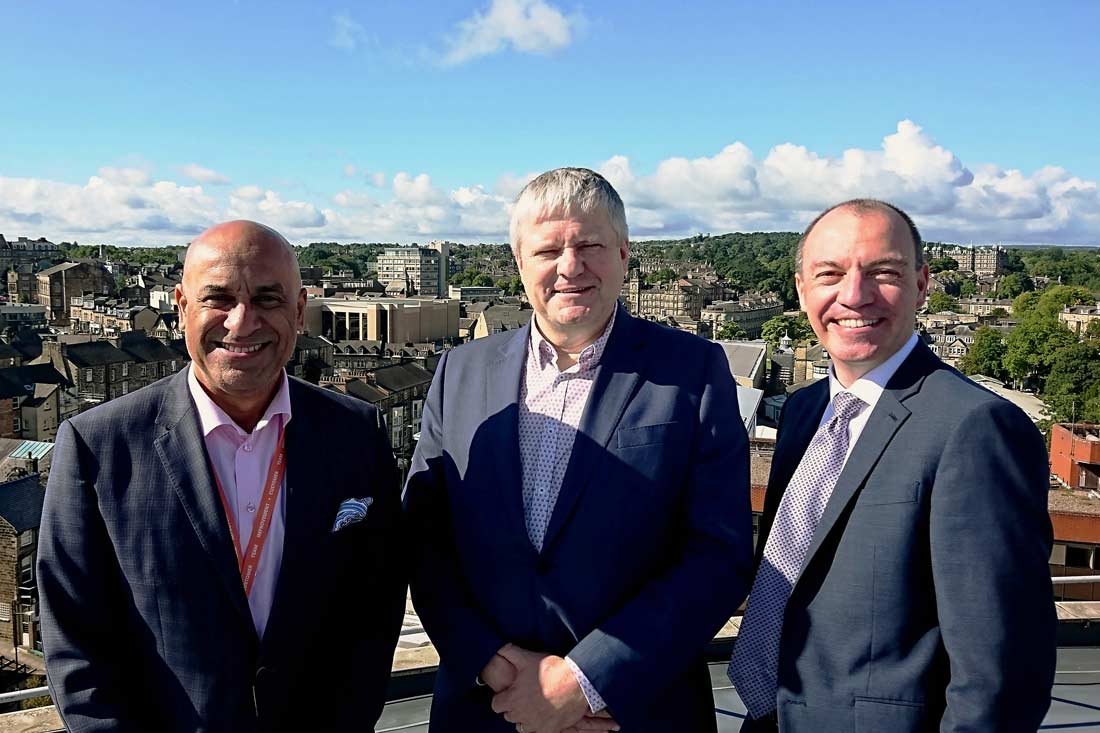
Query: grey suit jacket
{"points": [[144, 618], [925, 601]]}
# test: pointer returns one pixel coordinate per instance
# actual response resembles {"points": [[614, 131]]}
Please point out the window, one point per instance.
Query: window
{"points": [[125, 369], [5, 611], [87, 375]]}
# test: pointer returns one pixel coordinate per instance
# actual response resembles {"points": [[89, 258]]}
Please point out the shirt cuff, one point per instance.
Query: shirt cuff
{"points": [[595, 702]]}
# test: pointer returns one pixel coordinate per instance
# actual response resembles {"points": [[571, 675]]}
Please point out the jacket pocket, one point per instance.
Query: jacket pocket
{"points": [[643, 435], [874, 715]]}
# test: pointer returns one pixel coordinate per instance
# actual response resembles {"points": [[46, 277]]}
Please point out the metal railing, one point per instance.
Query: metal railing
{"points": [[19, 695]]}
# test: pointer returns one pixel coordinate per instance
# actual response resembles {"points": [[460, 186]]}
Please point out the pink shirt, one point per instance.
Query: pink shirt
{"points": [[241, 462]]}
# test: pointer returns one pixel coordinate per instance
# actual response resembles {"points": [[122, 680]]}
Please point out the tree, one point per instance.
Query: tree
{"points": [[1025, 304], [796, 327], [986, 354], [968, 288], [998, 313], [663, 275], [1013, 284], [483, 281], [1055, 298], [1031, 348], [941, 264], [939, 302], [1092, 331], [730, 331], [1072, 388]]}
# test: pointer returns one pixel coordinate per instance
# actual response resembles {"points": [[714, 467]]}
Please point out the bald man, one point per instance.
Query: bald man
{"points": [[218, 549]]}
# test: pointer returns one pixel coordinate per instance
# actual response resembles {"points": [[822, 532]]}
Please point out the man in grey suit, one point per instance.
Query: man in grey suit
{"points": [[217, 550], [902, 580]]}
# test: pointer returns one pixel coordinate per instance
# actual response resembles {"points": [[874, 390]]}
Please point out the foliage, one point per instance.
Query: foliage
{"points": [[1032, 346], [939, 302], [998, 313], [1072, 389], [796, 327], [135, 255], [1025, 304], [968, 287], [663, 275], [940, 264], [1092, 331], [730, 331], [986, 354], [510, 285], [1013, 284], [1066, 266]]}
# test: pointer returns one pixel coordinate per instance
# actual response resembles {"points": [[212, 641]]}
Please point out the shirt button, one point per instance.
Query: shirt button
{"points": [[247, 447], [250, 507]]}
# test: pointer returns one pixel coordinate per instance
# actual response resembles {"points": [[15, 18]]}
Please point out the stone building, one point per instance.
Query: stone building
{"points": [[750, 312], [20, 516], [57, 286], [679, 298]]}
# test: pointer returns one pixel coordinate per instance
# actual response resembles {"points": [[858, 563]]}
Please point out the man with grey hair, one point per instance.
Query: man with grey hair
{"points": [[579, 495], [206, 539]]}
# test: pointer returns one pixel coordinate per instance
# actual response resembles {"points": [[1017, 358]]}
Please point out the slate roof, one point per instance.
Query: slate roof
{"points": [[364, 391], [21, 502], [15, 381], [95, 353], [397, 377], [144, 348]]}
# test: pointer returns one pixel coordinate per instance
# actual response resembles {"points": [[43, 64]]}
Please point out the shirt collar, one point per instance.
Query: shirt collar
{"points": [[870, 386], [588, 358], [212, 417]]}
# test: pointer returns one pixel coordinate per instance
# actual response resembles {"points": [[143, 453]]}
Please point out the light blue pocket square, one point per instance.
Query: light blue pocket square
{"points": [[351, 511]]}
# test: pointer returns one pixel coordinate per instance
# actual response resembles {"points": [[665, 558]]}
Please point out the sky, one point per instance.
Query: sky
{"points": [[145, 123]]}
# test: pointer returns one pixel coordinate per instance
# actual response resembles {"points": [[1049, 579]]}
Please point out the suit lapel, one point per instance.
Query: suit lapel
{"points": [[888, 416], [307, 517], [502, 391], [182, 451], [614, 384], [797, 431]]}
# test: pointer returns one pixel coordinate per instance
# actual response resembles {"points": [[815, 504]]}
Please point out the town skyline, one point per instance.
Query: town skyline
{"points": [[143, 126]]}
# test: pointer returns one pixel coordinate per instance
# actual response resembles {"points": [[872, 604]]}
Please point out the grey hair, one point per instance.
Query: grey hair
{"points": [[567, 191], [860, 207]]}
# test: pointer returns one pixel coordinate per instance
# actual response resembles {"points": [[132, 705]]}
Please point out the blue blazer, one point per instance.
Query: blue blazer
{"points": [[648, 549], [144, 618], [925, 601]]}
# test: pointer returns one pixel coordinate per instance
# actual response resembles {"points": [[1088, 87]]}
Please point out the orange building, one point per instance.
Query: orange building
{"points": [[1075, 455]]}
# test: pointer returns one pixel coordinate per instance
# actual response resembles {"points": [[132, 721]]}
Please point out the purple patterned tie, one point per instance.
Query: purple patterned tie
{"points": [[756, 654]]}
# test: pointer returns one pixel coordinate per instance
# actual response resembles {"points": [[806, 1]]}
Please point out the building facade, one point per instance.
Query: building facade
{"points": [[424, 268]]}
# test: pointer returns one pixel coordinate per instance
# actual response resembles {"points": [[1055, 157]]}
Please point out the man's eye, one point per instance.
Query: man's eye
{"points": [[886, 275]]}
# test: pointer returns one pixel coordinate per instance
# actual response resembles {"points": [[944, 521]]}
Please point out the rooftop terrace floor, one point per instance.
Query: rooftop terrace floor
{"points": [[1075, 702]]}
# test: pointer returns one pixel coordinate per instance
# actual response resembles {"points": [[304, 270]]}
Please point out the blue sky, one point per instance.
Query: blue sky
{"points": [[385, 121]]}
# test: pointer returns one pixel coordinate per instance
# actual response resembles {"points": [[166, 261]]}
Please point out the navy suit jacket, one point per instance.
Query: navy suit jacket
{"points": [[648, 549], [144, 618], [925, 601]]}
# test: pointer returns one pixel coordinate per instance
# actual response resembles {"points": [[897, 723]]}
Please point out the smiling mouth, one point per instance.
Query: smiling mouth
{"points": [[856, 322], [239, 348], [571, 291]]}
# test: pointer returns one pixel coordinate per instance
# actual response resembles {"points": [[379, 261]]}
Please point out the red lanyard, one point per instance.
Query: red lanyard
{"points": [[249, 560]]}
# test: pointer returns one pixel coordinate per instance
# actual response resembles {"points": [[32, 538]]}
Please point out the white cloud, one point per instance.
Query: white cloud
{"points": [[346, 34], [526, 26], [732, 190], [350, 171], [124, 176], [200, 174]]}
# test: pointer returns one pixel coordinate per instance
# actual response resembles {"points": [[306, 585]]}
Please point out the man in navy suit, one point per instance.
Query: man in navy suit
{"points": [[211, 554], [902, 580], [580, 496]]}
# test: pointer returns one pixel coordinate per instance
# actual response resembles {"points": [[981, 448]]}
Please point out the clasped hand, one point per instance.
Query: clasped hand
{"points": [[540, 693]]}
